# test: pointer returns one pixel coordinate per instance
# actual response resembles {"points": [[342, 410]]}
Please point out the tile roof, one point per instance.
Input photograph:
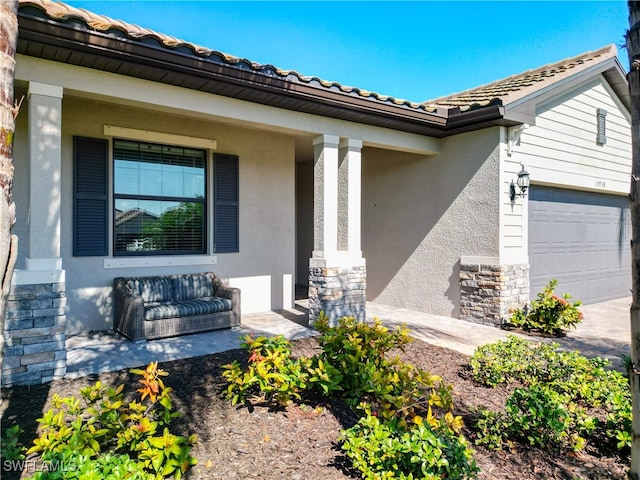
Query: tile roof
{"points": [[518, 86], [501, 92], [66, 13]]}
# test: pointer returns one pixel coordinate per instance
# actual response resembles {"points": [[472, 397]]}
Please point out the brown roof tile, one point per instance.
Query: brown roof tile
{"points": [[63, 12], [501, 92], [518, 86]]}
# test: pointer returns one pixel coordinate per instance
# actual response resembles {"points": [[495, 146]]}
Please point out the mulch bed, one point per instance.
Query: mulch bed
{"points": [[301, 441]]}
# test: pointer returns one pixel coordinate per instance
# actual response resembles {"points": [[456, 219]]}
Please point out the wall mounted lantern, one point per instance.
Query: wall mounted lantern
{"points": [[523, 184]]}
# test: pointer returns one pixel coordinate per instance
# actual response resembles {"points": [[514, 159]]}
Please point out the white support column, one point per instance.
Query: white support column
{"points": [[45, 158], [337, 271], [325, 196], [349, 198], [38, 313]]}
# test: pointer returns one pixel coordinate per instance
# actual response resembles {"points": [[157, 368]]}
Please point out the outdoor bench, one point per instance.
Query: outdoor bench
{"points": [[146, 308]]}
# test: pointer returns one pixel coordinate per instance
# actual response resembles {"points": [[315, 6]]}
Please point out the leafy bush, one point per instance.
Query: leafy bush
{"points": [[372, 382], [271, 372], [10, 447], [544, 418], [550, 313], [389, 450], [567, 398], [389, 393], [70, 465], [512, 360], [104, 437]]}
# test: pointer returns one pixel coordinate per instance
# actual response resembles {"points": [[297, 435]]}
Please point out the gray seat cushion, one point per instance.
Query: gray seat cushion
{"points": [[183, 308]]}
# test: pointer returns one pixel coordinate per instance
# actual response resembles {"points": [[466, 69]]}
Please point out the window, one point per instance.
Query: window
{"points": [[159, 203]]}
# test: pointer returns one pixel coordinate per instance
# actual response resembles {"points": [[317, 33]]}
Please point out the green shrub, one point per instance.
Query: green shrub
{"points": [[271, 373], [10, 447], [542, 417], [550, 313], [389, 450], [512, 360], [71, 465], [492, 430], [352, 365], [389, 393], [372, 382], [105, 437], [537, 416], [567, 398]]}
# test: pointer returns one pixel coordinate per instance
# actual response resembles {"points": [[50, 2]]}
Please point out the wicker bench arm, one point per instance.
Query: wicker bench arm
{"points": [[128, 313], [229, 293], [232, 294]]}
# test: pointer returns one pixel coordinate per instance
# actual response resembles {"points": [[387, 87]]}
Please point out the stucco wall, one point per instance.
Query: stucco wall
{"points": [[264, 267], [304, 220], [421, 214], [21, 179]]}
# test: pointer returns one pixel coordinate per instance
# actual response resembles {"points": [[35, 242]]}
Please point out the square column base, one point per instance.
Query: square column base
{"points": [[338, 292], [489, 291]]}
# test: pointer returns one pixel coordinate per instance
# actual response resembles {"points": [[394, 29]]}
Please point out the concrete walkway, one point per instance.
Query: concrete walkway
{"points": [[604, 332]]}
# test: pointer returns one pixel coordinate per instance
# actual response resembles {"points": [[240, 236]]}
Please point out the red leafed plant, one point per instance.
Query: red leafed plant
{"points": [[151, 382], [549, 313]]}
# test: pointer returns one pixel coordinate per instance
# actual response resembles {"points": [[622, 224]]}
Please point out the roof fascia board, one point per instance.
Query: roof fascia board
{"points": [[118, 89], [616, 99], [485, 114], [524, 109]]}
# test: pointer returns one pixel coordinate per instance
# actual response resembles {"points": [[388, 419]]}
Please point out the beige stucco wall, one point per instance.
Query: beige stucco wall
{"points": [[304, 220], [264, 267], [421, 214]]}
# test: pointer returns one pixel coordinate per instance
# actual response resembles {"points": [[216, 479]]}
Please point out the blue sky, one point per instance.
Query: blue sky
{"points": [[412, 50]]}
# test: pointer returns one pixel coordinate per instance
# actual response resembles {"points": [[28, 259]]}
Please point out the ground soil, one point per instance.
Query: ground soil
{"points": [[301, 441]]}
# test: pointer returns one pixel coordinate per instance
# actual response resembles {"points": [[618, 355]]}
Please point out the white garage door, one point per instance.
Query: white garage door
{"points": [[582, 240]]}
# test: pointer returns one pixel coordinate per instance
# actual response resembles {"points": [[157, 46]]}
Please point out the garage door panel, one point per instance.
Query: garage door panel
{"points": [[582, 240]]}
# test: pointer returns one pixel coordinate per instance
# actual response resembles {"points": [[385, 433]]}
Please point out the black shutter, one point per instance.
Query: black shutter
{"points": [[226, 204], [90, 197]]}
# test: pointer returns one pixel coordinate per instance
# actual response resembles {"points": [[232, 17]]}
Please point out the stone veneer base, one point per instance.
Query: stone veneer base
{"points": [[338, 292], [488, 293], [34, 348]]}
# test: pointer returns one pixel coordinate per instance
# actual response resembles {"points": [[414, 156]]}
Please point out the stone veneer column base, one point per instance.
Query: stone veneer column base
{"points": [[489, 292], [338, 292], [34, 350]]}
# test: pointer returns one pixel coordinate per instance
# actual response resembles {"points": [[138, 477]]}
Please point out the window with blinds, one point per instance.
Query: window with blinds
{"points": [[160, 197], [159, 194]]}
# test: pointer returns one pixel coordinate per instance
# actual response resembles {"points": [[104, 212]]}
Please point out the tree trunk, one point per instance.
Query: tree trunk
{"points": [[8, 242]]}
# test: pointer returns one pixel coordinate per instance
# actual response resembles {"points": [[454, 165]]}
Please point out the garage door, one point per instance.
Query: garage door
{"points": [[582, 240]]}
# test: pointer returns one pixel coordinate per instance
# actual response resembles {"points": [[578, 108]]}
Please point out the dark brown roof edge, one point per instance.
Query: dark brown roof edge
{"points": [[151, 60], [63, 13], [71, 39]]}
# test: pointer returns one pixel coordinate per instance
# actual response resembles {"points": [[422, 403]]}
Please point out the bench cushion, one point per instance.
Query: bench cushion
{"points": [[152, 289], [182, 308], [187, 287]]}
